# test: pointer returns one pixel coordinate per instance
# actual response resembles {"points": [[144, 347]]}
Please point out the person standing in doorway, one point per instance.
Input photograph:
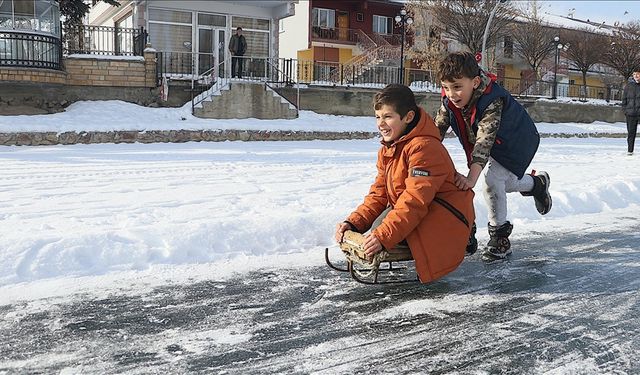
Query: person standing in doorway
{"points": [[237, 46], [631, 108]]}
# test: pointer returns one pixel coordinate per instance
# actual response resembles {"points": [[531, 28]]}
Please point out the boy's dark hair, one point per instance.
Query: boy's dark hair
{"points": [[400, 97], [458, 65]]}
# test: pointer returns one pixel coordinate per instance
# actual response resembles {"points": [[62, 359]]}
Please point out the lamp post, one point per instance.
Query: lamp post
{"points": [[404, 20], [559, 46], [483, 62]]}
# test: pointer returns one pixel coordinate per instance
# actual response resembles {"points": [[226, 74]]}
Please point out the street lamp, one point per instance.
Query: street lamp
{"points": [[404, 20], [483, 62], [559, 47]]}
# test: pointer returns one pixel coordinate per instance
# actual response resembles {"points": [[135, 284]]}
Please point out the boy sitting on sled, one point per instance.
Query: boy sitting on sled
{"points": [[414, 200]]}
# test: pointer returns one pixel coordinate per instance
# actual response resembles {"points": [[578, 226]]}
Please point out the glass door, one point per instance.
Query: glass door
{"points": [[221, 55], [212, 51]]}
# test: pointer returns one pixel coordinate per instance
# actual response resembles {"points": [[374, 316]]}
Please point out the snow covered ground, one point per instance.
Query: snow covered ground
{"points": [[86, 223], [117, 115]]}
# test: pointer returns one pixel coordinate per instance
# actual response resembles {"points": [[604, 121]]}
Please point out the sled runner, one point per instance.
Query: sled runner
{"points": [[366, 270]]}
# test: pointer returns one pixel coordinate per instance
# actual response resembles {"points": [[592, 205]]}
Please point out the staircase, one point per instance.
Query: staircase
{"points": [[245, 99], [227, 98], [376, 50]]}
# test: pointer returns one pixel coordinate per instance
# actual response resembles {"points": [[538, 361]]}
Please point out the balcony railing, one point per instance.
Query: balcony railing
{"points": [[334, 34], [23, 49], [353, 36], [104, 40]]}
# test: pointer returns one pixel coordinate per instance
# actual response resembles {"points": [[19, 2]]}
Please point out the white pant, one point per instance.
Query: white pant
{"points": [[498, 182]]}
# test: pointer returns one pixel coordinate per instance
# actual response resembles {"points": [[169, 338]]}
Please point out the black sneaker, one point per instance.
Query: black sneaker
{"points": [[540, 192], [499, 246], [472, 245]]}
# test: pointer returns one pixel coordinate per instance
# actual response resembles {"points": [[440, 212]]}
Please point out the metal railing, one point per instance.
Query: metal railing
{"points": [[280, 78], [216, 78], [334, 34], [176, 65], [23, 49], [189, 65], [104, 40], [209, 82], [327, 73], [368, 75], [535, 88]]}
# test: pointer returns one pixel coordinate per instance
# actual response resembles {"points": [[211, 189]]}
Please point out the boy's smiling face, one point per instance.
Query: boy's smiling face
{"points": [[390, 124], [459, 90]]}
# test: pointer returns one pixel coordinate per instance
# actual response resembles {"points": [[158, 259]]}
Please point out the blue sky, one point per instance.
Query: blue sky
{"points": [[597, 11]]}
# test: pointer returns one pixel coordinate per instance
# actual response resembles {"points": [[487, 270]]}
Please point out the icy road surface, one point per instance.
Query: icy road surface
{"points": [[208, 258], [567, 303]]}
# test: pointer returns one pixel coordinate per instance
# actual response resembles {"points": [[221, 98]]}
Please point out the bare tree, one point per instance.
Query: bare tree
{"points": [[428, 48], [623, 53], [585, 50], [533, 41], [465, 20]]}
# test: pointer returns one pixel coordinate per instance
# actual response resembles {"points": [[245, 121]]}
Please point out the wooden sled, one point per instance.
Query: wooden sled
{"points": [[366, 270]]}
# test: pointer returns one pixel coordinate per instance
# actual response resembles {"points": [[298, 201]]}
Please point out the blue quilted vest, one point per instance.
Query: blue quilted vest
{"points": [[517, 139]]}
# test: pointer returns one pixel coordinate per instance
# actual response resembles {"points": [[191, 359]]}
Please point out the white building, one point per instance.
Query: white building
{"points": [[195, 32]]}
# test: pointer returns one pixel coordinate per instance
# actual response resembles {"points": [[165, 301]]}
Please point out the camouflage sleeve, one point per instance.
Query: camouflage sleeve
{"points": [[487, 131], [442, 121]]}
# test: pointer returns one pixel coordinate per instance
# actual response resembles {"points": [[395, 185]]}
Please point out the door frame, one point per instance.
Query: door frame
{"points": [[216, 47]]}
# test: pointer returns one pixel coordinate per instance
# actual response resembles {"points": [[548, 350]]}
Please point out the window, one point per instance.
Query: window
{"points": [[47, 18], [382, 25], [323, 17], [6, 15], [250, 23], [257, 43], [508, 47], [170, 30], [212, 20], [24, 12], [124, 38], [169, 16]]}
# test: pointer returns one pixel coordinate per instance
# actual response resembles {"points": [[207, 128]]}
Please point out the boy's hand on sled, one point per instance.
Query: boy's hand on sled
{"points": [[340, 229], [371, 245]]}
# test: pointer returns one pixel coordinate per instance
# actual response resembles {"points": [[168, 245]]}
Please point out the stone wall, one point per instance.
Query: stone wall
{"points": [[40, 91], [177, 136], [31, 75], [358, 102], [111, 72], [350, 101]]}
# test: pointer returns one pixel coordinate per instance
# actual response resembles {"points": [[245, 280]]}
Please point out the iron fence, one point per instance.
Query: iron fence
{"points": [[20, 49], [178, 65], [536, 88], [104, 40]]}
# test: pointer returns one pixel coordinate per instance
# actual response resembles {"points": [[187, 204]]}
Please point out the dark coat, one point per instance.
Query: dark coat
{"points": [[517, 139], [413, 171], [631, 99], [238, 45]]}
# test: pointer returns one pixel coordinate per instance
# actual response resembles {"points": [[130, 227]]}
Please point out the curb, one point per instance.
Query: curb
{"points": [[181, 136]]}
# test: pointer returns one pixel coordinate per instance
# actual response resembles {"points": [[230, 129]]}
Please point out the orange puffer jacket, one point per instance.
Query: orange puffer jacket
{"points": [[413, 171]]}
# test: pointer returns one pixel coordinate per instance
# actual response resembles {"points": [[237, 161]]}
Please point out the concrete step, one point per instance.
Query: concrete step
{"points": [[247, 100]]}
